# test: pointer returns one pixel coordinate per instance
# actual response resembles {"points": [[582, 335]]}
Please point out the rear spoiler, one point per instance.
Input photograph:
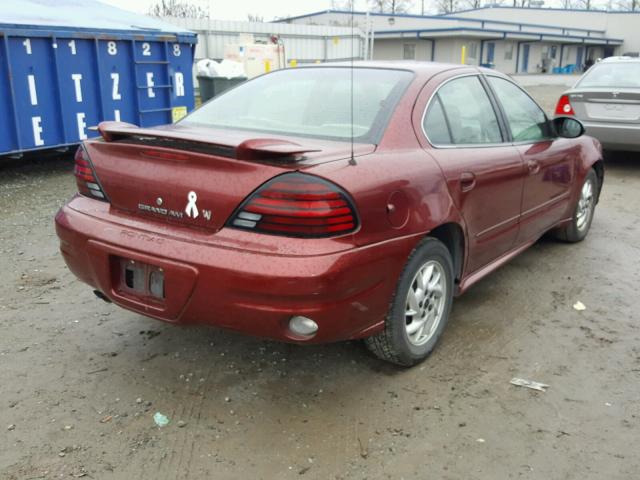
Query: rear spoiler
{"points": [[250, 149]]}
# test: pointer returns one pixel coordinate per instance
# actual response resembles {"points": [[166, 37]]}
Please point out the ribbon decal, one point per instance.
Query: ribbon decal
{"points": [[192, 208]]}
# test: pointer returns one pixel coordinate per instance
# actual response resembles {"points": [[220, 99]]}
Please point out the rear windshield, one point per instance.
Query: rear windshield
{"points": [[311, 102], [617, 75]]}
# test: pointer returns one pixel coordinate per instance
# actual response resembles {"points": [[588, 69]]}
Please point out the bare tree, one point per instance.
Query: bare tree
{"points": [[473, 3], [177, 8], [254, 18], [629, 5], [390, 6], [582, 4], [448, 6], [342, 5], [569, 3]]}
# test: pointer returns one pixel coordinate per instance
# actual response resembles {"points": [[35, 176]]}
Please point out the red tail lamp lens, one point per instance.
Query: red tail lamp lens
{"points": [[86, 177], [297, 205], [564, 106]]}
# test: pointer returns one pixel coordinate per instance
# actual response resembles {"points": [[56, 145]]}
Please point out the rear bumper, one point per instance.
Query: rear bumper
{"points": [[347, 293], [615, 136]]}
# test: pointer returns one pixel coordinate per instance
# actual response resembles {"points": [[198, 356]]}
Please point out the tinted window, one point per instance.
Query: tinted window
{"points": [[469, 112], [617, 75], [314, 102], [526, 119], [435, 124]]}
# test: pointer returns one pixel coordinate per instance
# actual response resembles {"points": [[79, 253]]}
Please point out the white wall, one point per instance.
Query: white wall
{"points": [[393, 49], [624, 25], [302, 42], [544, 16]]}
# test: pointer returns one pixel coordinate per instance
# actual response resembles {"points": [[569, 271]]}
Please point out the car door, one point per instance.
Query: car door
{"points": [[484, 173], [549, 161]]}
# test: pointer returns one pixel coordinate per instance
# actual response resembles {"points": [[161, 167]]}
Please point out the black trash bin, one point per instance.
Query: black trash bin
{"points": [[212, 86]]}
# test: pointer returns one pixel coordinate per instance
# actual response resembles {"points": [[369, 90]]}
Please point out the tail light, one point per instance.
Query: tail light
{"points": [[297, 205], [86, 179], [564, 106]]}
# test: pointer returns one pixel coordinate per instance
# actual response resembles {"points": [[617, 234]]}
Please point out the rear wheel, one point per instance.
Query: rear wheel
{"points": [[577, 229], [420, 307]]}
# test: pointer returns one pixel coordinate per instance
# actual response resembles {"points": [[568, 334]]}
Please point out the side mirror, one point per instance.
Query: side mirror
{"points": [[568, 127]]}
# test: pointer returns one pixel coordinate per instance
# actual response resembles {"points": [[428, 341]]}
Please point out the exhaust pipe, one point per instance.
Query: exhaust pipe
{"points": [[101, 296]]}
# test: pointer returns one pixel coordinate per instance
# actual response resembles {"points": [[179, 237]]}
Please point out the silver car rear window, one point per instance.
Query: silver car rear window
{"points": [[614, 75]]}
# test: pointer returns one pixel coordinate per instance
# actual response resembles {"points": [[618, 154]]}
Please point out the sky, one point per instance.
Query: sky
{"points": [[238, 9], [268, 9]]}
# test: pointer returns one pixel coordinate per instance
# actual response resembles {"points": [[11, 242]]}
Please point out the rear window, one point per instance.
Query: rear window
{"points": [[615, 75], [310, 102]]}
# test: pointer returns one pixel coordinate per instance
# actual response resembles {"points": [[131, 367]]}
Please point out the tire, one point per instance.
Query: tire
{"points": [[578, 228], [402, 342]]}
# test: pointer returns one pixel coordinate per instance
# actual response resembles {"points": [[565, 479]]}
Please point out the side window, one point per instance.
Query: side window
{"points": [[469, 112], [435, 124], [526, 119]]}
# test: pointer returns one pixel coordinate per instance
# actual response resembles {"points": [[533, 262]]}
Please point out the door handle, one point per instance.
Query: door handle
{"points": [[533, 166], [467, 181]]}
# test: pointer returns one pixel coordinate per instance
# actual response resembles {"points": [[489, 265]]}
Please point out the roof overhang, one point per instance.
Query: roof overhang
{"points": [[483, 33]]}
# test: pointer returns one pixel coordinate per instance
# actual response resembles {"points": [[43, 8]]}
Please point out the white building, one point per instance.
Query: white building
{"points": [[513, 40], [302, 43]]}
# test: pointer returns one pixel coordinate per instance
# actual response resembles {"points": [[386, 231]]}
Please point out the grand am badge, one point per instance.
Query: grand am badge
{"points": [[191, 210]]}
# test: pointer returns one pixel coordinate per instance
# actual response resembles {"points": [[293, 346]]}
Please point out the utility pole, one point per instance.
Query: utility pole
{"points": [[422, 7]]}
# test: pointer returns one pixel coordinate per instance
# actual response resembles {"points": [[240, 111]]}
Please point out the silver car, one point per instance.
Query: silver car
{"points": [[607, 101]]}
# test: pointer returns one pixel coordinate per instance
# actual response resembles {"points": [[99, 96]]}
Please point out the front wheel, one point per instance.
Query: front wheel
{"points": [[420, 307], [577, 229]]}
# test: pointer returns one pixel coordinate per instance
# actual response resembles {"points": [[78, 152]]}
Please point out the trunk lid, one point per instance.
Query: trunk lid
{"points": [[606, 104], [197, 177]]}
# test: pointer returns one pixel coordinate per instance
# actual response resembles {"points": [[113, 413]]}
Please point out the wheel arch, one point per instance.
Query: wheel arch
{"points": [[598, 166], [452, 235]]}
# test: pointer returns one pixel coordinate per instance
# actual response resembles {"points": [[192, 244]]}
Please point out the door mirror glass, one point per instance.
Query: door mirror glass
{"points": [[568, 127]]}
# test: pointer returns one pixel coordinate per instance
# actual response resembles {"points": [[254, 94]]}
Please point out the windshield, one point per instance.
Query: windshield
{"points": [[618, 75], [311, 102]]}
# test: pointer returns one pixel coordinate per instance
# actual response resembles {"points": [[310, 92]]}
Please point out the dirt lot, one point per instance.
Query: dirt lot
{"points": [[81, 379]]}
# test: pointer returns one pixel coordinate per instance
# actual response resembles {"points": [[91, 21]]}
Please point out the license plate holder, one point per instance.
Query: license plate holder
{"points": [[141, 279]]}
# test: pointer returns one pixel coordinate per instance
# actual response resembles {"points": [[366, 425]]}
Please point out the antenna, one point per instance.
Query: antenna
{"points": [[352, 160]]}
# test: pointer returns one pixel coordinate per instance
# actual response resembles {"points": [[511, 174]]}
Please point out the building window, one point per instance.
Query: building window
{"points": [[409, 51], [472, 50], [508, 51]]}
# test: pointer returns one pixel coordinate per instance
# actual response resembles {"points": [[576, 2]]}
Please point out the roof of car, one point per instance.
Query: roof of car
{"points": [[620, 59], [420, 68]]}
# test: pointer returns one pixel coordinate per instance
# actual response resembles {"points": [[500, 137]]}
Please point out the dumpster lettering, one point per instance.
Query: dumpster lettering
{"points": [[179, 84], [81, 126], [150, 84], [77, 78], [33, 94], [115, 94], [37, 130]]}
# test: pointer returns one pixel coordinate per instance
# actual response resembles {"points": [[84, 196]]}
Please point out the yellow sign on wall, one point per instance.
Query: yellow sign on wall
{"points": [[177, 113]]}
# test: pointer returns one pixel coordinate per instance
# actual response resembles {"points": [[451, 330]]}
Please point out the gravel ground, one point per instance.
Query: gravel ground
{"points": [[81, 379]]}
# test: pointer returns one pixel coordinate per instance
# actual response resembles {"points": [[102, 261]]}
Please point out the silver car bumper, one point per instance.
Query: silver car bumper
{"points": [[615, 136]]}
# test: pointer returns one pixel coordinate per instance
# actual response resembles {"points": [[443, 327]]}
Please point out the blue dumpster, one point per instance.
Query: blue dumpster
{"points": [[66, 65]]}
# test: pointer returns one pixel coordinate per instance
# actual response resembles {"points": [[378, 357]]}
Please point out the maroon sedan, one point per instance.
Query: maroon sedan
{"points": [[328, 203]]}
